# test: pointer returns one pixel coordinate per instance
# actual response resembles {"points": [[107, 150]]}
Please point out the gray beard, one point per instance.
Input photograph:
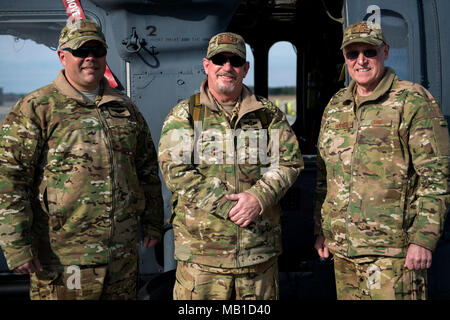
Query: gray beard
{"points": [[226, 89]]}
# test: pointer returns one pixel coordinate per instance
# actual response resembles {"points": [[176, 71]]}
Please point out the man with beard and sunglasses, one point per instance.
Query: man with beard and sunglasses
{"points": [[78, 169], [228, 156], [382, 183]]}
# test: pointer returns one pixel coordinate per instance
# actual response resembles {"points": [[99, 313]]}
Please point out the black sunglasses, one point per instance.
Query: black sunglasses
{"points": [[83, 52], [221, 60], [368, 53]]}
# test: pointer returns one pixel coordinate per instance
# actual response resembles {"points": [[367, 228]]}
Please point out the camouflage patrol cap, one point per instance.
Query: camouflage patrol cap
{"points": [[78, 32], [365, 32], [226, 42]]}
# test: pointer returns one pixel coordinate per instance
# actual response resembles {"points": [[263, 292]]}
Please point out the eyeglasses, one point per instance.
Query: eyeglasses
{"points": [[83, 52], [221, 60], [368, 53]]}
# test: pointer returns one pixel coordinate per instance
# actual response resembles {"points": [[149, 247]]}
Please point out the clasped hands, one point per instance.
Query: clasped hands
{"points": [[245, 210]]}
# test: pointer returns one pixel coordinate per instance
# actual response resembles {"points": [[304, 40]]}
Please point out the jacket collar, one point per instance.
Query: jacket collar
{"points": [[248, 100], [65, 88], [383, 86]]}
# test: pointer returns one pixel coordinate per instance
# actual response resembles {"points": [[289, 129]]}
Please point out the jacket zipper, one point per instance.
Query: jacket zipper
{"points": [[236, 187], [113, 187], [351, 181], [236, 183]]}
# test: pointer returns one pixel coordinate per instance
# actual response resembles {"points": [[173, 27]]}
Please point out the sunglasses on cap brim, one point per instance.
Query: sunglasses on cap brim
{"points": [[221, 60], [83, 52], [368, 53]]}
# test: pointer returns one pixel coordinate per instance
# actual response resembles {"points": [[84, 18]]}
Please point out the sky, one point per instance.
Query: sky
{"points": [[26, 66], [282, 65]]}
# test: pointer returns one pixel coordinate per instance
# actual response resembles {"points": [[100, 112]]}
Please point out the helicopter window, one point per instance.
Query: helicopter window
{"points": [[282, 78], [26, 66]]}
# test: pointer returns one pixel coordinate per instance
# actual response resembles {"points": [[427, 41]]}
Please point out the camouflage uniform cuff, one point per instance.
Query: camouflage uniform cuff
{"points": [[318, 231], [19, 258], [224, 208], [430, 244], [317, 225], [153, 233], [261, 204]]}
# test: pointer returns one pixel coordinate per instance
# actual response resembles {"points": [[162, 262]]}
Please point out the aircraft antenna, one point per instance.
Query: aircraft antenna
{"points": [[340, 20]]}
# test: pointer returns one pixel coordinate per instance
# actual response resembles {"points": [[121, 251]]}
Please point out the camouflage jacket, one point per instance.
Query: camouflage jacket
{"points": [[75, 176], [383, 169], [224, 162]]}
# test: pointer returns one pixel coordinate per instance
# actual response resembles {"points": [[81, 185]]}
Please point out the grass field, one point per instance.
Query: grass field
{"points": [[287, 104]]}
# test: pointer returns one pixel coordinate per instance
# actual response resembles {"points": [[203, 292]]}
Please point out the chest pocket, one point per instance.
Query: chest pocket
{"points": [[122, 127], [440, 129], [346, 125], [338, 135], [253, 137], [379, 133], [376, 123], [336, 145]]}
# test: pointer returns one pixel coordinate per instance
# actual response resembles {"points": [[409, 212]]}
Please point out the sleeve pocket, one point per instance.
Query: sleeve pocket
{"points": [[440, 130]]}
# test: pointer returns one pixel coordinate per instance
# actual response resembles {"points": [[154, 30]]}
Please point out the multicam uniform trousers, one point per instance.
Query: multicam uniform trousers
{"points": [[199, 282], [114, 281], [378, 278]]}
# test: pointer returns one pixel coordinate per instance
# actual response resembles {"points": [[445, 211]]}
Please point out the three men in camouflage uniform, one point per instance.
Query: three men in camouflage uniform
{"points": [[228, 157], [383, 169], [78, 167]]}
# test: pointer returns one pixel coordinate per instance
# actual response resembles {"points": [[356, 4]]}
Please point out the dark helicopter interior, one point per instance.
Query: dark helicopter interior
{"points": [[312, 27], [315, 29]]}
